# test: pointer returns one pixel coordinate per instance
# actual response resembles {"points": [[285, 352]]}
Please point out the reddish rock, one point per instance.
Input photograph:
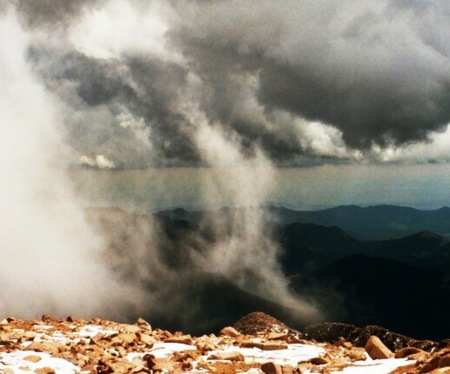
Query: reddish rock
{"points": [[230, 356], [287, 369], [278, 336], [143, 324], [333, 332], [32, 358], [271, 368], [229, 331], [145, 339], [182, 339], [377, 350], [408, 351], [356, 354], [420, 357], [45, 370], [430, 365], [320, 360], [440, 371], [257, 322], [444, 361], [264, 346]]}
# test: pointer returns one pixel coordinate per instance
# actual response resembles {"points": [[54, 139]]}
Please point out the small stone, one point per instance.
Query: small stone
{"points": [[45, 370], [165, 366], [7, 371], [229, 331], [348, 345], [444, 361], [304, 366], [430, 365], [440, 371], [272, 346], [287, 369], [182, 339], [47, 318], [278, 336], [82, 360], [143, 324], [138, 364], [228, 356], [32, 358], [264, 346], [130, 328], [376, 349], [408, 351], [120, 367], [319, 360], [271, 368], [356, 354], [124, 339], [145, 339], [43, 347], [419, 357], [337, 364], [89, 368]]}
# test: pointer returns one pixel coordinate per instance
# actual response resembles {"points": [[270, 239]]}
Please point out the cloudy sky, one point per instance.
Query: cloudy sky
{"points": [[237, 85], [334, 81]]}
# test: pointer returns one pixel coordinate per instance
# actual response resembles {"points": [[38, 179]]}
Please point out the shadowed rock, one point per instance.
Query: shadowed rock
{"points": [[359, 336]]}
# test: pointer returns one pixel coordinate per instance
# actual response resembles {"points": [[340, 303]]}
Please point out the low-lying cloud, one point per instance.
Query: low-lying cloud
{"points": [[51, 259]]}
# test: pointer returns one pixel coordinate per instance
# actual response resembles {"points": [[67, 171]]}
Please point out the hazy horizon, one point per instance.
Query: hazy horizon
{"points": [[320, 187]]}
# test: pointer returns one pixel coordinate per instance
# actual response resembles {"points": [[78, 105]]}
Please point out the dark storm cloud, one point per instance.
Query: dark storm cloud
{"points": [[38, 13], [160, 89], [376, 78], [383, 85], [369, 112], [147, 88], [225, 68], [378, 72]]}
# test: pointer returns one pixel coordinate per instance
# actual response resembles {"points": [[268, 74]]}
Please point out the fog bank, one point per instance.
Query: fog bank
{"points": [[50, 256]]}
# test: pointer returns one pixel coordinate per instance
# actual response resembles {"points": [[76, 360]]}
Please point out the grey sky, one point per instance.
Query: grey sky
{"points": [[296, 79]]}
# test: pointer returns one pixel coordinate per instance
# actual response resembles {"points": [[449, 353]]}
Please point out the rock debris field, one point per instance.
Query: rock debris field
{"points": [[257, 343]]}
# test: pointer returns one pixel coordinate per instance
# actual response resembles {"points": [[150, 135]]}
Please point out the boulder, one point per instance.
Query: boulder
{"points": [[377, 350]]}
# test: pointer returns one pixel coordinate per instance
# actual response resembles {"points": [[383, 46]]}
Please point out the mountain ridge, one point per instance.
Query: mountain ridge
{"points": [[375, 222], [397, 282]]}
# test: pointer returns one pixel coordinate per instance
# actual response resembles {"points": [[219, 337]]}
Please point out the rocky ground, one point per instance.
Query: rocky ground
{"points": [[257, 343]]}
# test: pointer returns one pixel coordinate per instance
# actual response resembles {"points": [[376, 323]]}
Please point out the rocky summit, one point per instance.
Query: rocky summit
{"points": [[257, 343]]}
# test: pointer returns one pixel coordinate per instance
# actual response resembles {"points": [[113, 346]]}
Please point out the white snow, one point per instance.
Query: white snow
{"points": [[19, 364], [375, 366], [295, 353], [160, 350], [290, 356]]}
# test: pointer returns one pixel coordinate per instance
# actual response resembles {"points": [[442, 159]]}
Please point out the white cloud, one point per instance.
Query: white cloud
{"points": [[50, 257], [98, 162], [320, 139], [137, 126], [436, 150], [120, 28]]}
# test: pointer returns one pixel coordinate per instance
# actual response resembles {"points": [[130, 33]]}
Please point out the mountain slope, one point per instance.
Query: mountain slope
{"points": [[374, 222], [423, 249], [385, 292]]}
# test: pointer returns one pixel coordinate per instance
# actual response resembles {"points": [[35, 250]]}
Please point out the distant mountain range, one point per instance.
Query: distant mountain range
{"points": [[353, 262], [374, 222], [368, 223]]}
